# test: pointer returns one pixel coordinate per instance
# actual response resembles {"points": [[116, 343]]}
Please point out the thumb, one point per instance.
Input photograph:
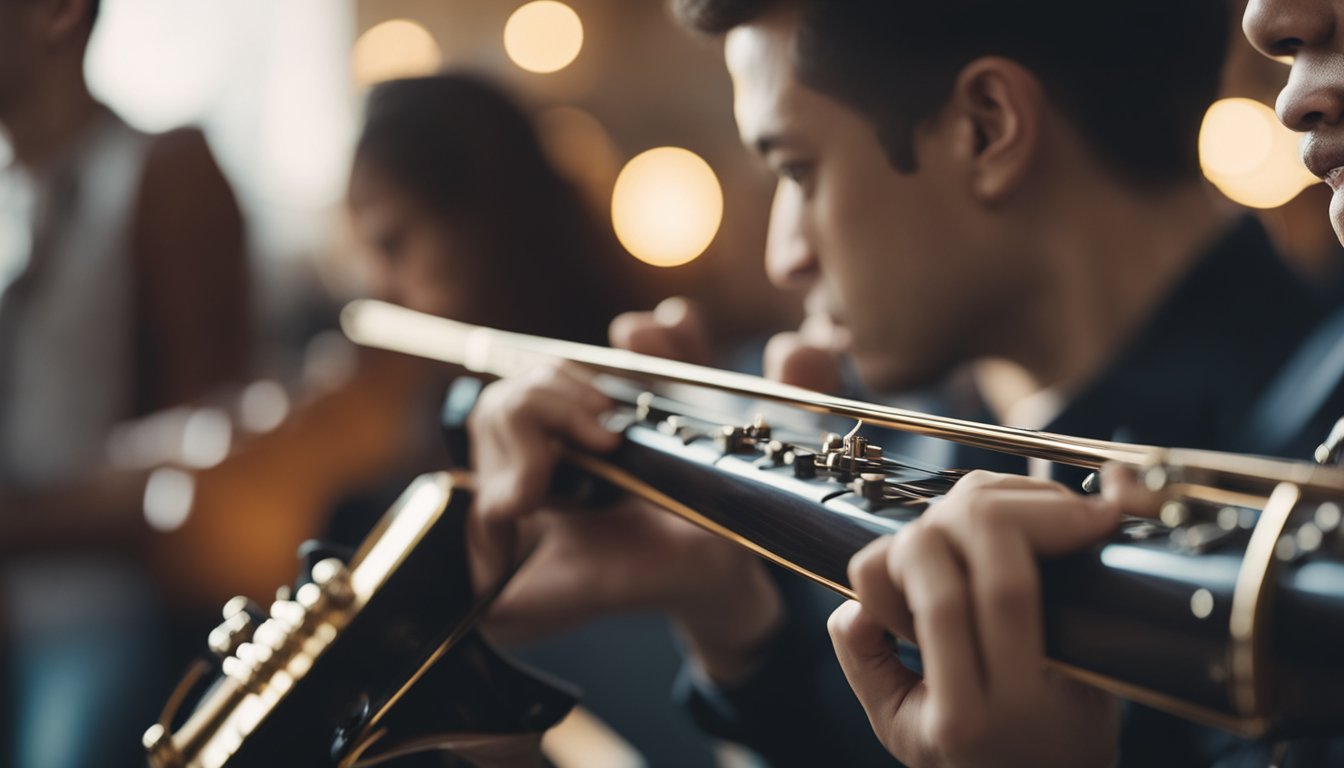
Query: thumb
{"points": [[891, 694], [1121, 485], [674, 330], [790, 359]]}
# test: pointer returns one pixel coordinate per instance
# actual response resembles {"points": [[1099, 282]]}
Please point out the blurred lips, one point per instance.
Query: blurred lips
{"points": [[1325, 159], [822, 326]]}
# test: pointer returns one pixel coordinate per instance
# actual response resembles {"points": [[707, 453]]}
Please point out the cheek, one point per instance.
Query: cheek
{"points": [[438, 277], [902, 296]]}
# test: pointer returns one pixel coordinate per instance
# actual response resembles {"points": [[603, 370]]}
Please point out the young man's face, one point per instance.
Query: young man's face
{"points": [[1311, 34], [892, 256]]}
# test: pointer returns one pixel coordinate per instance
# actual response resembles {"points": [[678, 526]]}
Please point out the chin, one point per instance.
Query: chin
{"points": [[886, 375]]}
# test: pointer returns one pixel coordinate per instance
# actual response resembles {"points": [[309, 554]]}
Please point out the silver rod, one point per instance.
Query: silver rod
{"points": [[501, 353]]}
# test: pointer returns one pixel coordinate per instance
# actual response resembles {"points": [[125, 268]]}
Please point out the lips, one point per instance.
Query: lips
{"points": [[1325, 159], [820, 302]]}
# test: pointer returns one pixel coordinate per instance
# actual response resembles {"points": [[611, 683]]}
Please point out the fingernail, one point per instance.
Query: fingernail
{"points": [[615, 422], [843, 616], [671, 311]]}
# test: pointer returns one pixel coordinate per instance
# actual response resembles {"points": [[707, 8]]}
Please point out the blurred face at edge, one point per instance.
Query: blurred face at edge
{"points": [[1310, 34]]}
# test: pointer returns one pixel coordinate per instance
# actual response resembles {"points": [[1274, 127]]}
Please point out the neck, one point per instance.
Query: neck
{"points": [[1107, 262], [50, 115]]}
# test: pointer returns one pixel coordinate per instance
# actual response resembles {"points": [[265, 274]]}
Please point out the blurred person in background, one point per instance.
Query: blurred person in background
{"points": [[123, 290], [457, 212], [462, 215]]}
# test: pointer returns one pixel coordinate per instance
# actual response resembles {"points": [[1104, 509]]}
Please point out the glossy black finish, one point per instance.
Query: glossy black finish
{"points": [[1308, 648], [764, 505], [1123, 611]]}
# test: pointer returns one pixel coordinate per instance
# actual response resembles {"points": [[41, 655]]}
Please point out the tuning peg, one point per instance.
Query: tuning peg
{"points": [[243, 604], [241, 617], [1092, 483], [871, 486], [288, 614], [1332, 450], [333, 577]]}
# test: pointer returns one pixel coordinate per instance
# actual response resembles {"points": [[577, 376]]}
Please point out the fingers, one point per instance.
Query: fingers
{"points": [[891, 694], [962, 581], [1121, 485], [675, 330], [925, 564], [913, 584], [792, 360], [880, 590], [979, 478], [1005, 584], [1053, 521], [516, 429]]}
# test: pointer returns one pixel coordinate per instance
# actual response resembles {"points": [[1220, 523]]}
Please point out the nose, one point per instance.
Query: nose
{"points": [[1311, 98], [1305, 31], [790, 260], [1283, 27]]}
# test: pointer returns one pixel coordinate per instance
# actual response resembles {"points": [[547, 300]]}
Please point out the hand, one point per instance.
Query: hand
{"points": [[675, 329], [810, 356], [1121, 486], [963, 583], [595, 562]]}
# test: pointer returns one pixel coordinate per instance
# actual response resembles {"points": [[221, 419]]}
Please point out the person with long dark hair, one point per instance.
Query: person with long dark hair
{"points": [[467, 218]]}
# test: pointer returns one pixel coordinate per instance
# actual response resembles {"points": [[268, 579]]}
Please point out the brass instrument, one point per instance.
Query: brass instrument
{"points": [[1237, 591]]}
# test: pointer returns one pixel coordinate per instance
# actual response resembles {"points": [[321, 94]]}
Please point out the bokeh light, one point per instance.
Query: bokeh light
{"points": [[393, 49], [666, 206], [543, 36], [1249, 156], [169, 494]]}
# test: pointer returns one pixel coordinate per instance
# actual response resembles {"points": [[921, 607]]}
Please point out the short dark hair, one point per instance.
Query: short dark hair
{"points": [[93, 10], [1135, 77]]}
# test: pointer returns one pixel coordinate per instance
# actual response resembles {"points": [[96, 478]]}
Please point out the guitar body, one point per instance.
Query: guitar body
{"points": [[397, 667]]}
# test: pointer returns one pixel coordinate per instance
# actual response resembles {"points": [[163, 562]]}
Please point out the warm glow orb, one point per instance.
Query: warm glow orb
{"points": [[393, 49], [543, 36], [666, 206], [1249, 156], [1235, 137]]}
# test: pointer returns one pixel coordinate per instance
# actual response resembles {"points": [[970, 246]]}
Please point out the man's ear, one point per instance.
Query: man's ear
{"points": [[999, 106]]}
